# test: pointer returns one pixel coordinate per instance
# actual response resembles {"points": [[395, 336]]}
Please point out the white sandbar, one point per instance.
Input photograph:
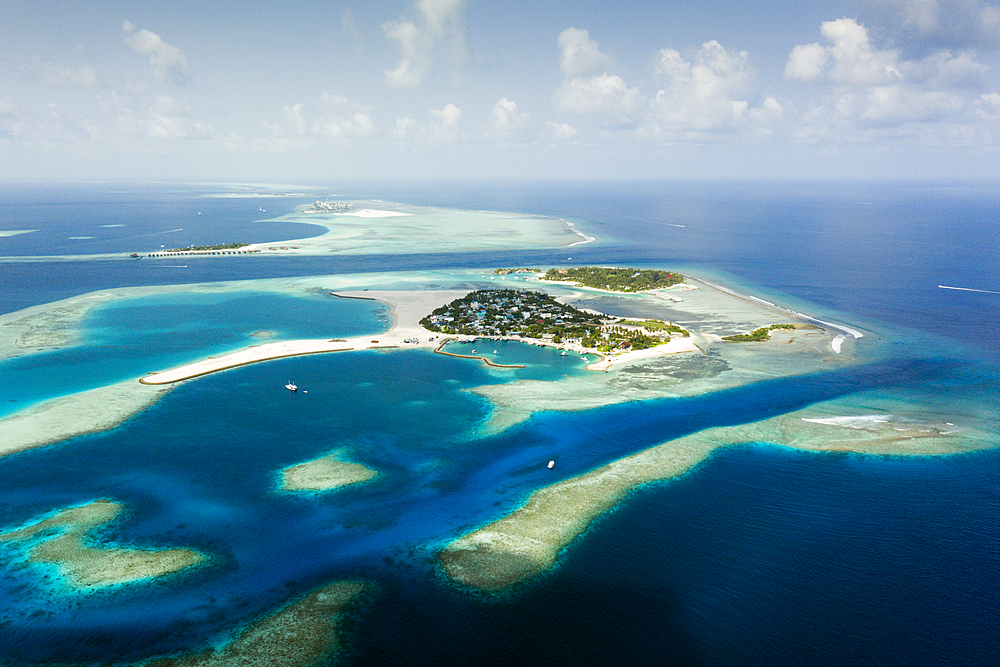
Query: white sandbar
{"points": [[408, 309]]}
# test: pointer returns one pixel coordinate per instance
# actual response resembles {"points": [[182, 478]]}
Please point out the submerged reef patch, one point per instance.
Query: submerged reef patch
{"points": [[85, 565]]}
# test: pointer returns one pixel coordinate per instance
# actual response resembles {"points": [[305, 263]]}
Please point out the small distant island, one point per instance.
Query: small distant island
{"points": [[507, 272], [202, 248], [757, 335], [536, 315], [327, 207], [615, 279]]}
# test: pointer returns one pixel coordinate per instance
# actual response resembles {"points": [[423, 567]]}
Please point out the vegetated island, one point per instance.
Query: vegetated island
{"points": [[757, 335], [328, 207], [507, 272], [202, 248], [536, 315], [615, 279]]}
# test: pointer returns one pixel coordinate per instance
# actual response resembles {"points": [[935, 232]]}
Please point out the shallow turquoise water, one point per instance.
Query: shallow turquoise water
{"points": [[131, 337]]}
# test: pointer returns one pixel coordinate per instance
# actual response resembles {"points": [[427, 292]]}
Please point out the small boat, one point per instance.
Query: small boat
{"points": [[495, 352], [291, 386], [564, 353], [551, 463]]}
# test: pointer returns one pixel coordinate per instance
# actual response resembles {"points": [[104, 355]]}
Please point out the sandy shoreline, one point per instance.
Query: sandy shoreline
{"points": [[104, 408], [408, 308]]}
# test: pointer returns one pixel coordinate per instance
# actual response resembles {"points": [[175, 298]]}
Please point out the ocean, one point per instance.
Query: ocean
{"points": [[759, 555]]}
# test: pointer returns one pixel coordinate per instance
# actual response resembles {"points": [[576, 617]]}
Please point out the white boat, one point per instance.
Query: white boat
{"points": [[551, 463], [564, 353], [291, 386]]}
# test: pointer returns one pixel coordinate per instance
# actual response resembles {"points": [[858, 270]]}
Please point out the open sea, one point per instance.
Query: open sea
{"points": [[760, 555]]}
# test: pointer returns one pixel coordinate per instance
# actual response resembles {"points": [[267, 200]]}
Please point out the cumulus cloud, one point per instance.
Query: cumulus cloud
{"points": [[579, 55], [559, 132], [438, 28], [169, 64], [444, 124], [708, 92], [506, 122], [849, 58], [589, 88], [343, 118], [604, 95], [872, 87], [920, 26], [444, 128]]}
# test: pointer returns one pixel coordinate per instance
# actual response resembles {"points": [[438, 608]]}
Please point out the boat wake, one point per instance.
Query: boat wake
{"points": [[968, 289]]}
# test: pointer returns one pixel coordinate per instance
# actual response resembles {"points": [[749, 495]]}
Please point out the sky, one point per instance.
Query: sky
{"points": [[255, 91]]}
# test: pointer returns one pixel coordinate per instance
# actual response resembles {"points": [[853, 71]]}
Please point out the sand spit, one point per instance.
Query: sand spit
{"points": [[90, 411], [408, 308], [86, 566], [323, 474], [302, 633], [528, 541], [375, 213]]}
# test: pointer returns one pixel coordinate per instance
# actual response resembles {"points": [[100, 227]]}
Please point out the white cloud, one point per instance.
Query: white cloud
{"points": [[506, 122], [55, 75], [589, 87], [405, 127], [169, 64], [579, 55], [439, 27], [343, 118], [444, 124], [707, 92], [603, 95], [444, 128], [559, 132], [873, 91]]}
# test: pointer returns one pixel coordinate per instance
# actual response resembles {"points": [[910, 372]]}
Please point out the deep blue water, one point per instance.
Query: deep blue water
{"points": [[760, 555]]}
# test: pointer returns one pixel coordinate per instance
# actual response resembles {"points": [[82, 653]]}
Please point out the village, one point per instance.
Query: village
{"points": [[511, 313]]}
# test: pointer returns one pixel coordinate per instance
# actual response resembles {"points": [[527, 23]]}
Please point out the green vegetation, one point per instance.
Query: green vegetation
{"points": [[529, 314], [504, 272], [757, 335], [656, 325], [220, 246], [617, 280], [504, 312]]}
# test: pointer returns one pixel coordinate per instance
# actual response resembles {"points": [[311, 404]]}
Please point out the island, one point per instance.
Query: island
{"points": [[538, 316], [507, 272], [328, 207], [616, 279], [757, 335], [218, 246]]}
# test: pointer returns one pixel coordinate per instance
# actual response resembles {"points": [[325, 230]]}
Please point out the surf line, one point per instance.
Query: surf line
{"points": [[969, 289]]}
